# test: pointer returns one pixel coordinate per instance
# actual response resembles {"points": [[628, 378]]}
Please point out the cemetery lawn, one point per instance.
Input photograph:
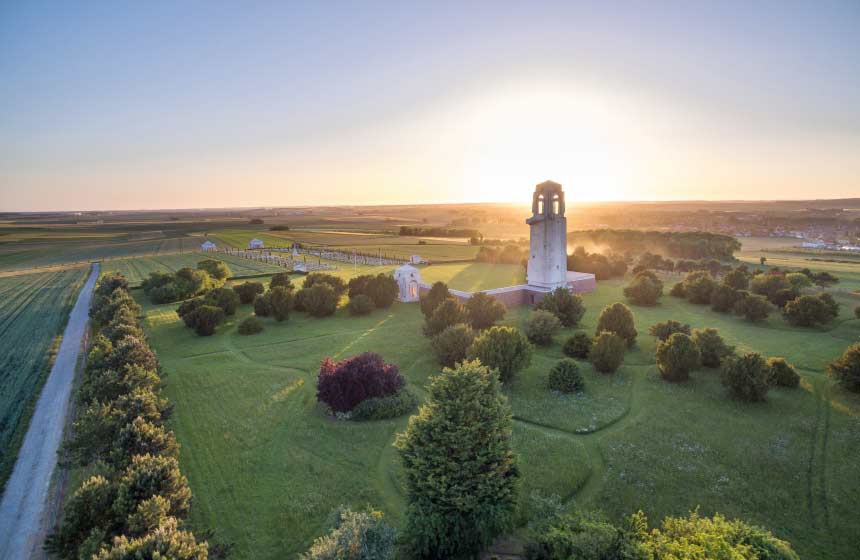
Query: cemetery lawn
{"points": [[267, 465]]}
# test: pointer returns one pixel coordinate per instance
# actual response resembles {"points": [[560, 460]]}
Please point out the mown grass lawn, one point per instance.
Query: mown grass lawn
{"points": [[267, 465], [474, 276]]}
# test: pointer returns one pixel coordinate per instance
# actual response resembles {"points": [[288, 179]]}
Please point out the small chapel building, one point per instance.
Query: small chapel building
{"points": [[408, 280]]}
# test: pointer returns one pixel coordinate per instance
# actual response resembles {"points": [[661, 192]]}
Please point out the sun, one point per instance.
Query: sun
{"points": [[520, 137]]}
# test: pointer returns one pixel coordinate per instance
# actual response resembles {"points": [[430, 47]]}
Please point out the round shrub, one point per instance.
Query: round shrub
{"points": [[360, 304], [205, 319], [712, 347], [565, 377], [676, 357], [451, 345], [186, 308], [846, 369], [807, 311], [723, 298], [581, 536], [330, 280], [164, 287], [645, 289], [618, 318], [484, 310], [216, 269], [666, 329], [565, 305], [281, 279], [247, 291], [249, 326], [262, 308], [358, 285], [577, 346], [782, 374], [753, 308], [737, 279], [698, 286], [430, 301], [382, 408], [678, 290], [746, 377], [798, 280], [768, 285], [449, 312], [320, 299], [342, 385], [383, 290], [280, 301], [225, 298], [504, 349], [607, 352], [782, 297], [541, 326], [354, 536]]}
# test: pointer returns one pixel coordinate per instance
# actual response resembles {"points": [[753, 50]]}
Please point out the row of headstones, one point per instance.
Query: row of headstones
{"points": [[279, 260], [346, 257]]}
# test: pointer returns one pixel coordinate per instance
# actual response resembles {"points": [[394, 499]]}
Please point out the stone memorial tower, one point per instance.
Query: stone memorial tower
{"points": [[547, 266]]}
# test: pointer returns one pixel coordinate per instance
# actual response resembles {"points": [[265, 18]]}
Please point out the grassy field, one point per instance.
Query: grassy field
{"points": [[432, 250], [34, 309], [474, 276], [137, 268], [267, 465]]}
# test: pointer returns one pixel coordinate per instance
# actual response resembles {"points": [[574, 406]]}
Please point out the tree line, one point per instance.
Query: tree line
{"points": [[135, 500], [425, 231], [683, 244]]}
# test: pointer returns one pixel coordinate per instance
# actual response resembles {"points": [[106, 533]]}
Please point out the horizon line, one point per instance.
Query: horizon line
{"points": [[400, 205]]}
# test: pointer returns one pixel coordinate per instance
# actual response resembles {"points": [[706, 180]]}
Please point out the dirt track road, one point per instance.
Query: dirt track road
{"points": [[23, 507]]}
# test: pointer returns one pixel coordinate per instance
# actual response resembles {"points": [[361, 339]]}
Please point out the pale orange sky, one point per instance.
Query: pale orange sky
{"points": [[238, 111]]}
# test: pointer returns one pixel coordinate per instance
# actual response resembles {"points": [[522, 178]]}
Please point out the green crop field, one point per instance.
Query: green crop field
{"points": [[34, 309], [83, 249], [267, 465]]}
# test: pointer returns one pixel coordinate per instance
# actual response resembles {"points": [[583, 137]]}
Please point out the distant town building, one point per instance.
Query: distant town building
{"points": [[415, 259], [207, 246], [255, 244]]}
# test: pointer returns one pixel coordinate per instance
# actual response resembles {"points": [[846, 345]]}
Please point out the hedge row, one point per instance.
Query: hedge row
{"points": [[134, 502]]}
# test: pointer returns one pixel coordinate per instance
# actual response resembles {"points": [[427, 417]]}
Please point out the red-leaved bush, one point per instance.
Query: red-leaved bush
{"points": [[342, 385]]}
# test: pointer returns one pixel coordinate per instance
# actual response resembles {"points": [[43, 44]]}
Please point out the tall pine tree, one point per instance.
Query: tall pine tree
{"points": [[461, 473]]}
